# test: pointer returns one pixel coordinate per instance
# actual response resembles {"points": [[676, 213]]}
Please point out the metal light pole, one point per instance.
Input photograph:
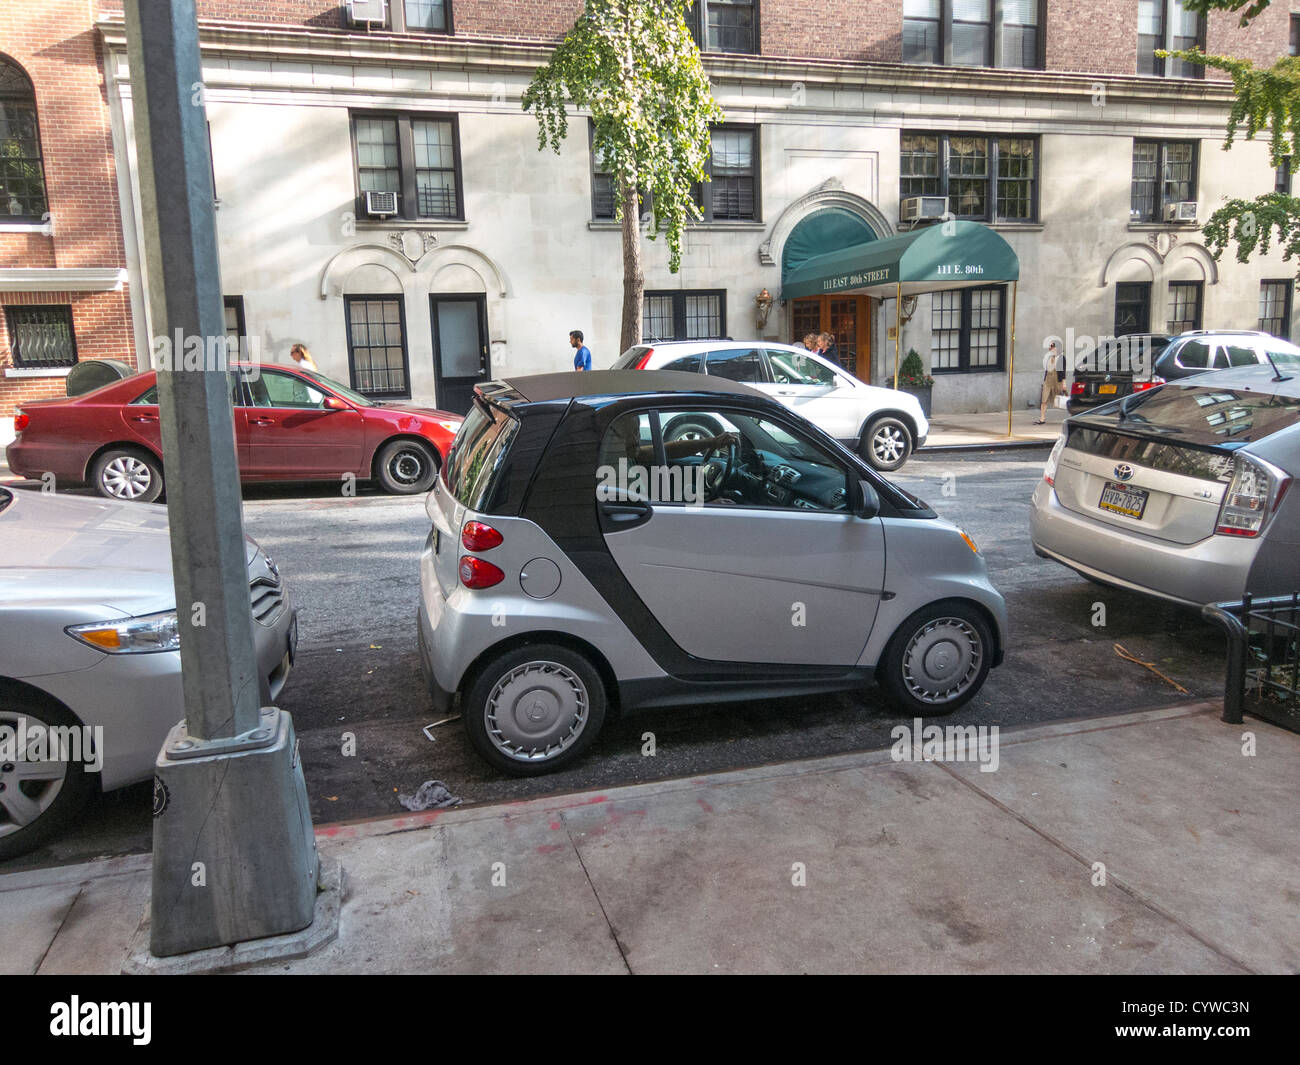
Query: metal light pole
{"points": [[234, 855]]}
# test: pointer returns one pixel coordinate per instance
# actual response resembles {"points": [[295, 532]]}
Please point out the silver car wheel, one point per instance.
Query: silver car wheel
{"points": [[536, 711], [942, 660], [888, 444], [27, 789], [126, 477]]}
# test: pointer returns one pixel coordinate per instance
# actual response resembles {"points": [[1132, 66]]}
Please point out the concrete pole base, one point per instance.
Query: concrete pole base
{"points": [[324, 929], [234, 854]]}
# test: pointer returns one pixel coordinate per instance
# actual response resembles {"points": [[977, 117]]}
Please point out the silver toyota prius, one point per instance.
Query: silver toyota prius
{"points": [[1183, 492], [620, 539], [90, 670]]}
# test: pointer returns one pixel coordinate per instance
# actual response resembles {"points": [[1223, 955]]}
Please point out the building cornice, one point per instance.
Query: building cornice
{"points": [[258, 41], [61, 279]]}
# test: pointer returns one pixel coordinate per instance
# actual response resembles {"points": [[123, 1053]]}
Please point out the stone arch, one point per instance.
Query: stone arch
{"points": [[1197, 253], [829, 194], [495, 281], [342, 263], [1123, 254]]}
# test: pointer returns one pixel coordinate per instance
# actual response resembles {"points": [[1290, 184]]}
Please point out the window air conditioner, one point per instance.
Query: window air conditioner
{"points": [[923, 209], [367, 12], [381, 204], [1181, 212]]}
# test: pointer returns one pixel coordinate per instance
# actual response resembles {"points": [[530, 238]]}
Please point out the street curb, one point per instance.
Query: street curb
{"points": [[1013, 445]]}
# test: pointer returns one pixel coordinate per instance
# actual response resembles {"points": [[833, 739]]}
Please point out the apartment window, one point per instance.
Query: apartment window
{"points": [[417, 157], [377, 345], [978, 33], [1184, 306], [1166, 24], [22, 176], [987, 179], [1164, 172], [1275, 308], [41, 337], [424, 16], [604, 189], [966, 329], [1132, 308], [1282, 177], [725, 25], [732, 194], [685, 315], [1295, 35]]}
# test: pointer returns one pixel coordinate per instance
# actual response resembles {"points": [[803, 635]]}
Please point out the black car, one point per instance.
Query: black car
{"points": [[1119, 367]]}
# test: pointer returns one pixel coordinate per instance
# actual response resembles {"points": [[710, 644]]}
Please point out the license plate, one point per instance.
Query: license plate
{"points": [[1123, 499], [1107, 390]]}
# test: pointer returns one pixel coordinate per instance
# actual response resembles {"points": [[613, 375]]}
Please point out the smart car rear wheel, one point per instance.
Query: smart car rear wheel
{"points": [[129, 475], [40, 795], [886, 443], [937, 659], [405, 467], [534, 709]]}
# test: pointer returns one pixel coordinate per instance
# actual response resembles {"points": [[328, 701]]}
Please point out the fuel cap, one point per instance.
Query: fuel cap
{"points": [[540, 578]]}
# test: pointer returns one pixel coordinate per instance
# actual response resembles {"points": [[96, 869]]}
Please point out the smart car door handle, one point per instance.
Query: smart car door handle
{"points": [[615, 517]]}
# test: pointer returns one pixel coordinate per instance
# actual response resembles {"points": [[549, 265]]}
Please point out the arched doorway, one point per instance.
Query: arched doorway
{"points": [[846, 317]]}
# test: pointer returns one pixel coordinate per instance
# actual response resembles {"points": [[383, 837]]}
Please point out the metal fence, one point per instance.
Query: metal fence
{"points": [[1263, 658]]}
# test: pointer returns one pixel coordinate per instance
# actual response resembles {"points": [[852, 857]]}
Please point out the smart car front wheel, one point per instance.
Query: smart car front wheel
{"points": [[535, 709], [937, 659]]}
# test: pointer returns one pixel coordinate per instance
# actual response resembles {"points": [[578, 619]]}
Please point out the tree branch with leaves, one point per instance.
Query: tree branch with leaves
{"points": [[634, 66]]}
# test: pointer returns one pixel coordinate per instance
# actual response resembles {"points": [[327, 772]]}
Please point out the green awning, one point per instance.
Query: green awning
{"points": [[947, 255]]}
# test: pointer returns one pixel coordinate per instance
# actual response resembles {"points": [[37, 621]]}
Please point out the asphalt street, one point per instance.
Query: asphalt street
{"points": [[359, 705]]}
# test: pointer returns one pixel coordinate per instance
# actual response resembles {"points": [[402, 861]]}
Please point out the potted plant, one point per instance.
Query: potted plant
{"points": [[913, 380]]}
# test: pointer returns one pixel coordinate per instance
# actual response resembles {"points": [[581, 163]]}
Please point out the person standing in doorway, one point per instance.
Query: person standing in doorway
{"points": [[828, 348], [302, 358], [1053, 381], [582, 353]]}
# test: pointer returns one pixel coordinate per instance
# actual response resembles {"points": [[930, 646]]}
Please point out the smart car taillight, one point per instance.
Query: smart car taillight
{"points": [[479, 537], [1254, 493], [640, 363], [1144, 386], [21, 421], [475, 573]]}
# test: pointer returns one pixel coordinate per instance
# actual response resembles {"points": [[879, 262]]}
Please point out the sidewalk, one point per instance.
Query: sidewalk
{"points": [[910, 867], [959, 431]]}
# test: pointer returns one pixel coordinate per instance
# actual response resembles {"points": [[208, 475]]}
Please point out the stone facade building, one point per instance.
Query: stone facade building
{"points": [[1052, 122]]}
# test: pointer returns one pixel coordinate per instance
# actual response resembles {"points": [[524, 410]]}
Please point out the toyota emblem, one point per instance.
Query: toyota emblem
{"points": [[1123, 471]]}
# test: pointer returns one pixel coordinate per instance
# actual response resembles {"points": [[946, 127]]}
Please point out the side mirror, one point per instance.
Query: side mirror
{"points": [[866, 503], [334, 403]]}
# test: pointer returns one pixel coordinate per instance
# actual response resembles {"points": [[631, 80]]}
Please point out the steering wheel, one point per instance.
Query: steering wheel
{"points": [[714, 482]]}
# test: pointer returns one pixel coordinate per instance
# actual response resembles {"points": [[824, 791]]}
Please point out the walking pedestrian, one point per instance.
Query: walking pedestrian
{"points": [[810, 342], [828, 348], [302, 357], [582, 354], [1053, 381]]}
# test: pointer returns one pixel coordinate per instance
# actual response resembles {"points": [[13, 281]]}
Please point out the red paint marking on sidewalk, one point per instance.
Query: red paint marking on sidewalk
{"points": [[550, 848], [705, 806]]}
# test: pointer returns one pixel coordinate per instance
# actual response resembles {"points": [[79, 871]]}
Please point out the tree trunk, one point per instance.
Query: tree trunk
{"points": [[633, 278]]}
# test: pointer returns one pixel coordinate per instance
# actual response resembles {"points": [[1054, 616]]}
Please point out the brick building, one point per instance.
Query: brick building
{"points": [[1052, 121], [64, 292]]}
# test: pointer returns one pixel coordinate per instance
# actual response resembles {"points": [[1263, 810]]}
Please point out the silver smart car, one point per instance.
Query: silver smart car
{"points": [[1183, 492], [585, 559]]}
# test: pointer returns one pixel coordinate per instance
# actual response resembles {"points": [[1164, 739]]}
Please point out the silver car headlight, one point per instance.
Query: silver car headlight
{"points": [[146, 634]]}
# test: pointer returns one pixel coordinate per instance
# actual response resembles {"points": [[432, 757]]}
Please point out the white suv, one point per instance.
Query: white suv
{"points": [[883, 425]]}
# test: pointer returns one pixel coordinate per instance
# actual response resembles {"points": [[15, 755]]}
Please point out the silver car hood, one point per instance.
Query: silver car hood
{"points": [[58, 548]]}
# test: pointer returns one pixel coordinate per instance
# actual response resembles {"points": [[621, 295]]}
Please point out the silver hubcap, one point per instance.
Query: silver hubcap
{"points": [[407, 467], [27, 788], [536, 711], [126, 477], [889, 443], [942, 660]]}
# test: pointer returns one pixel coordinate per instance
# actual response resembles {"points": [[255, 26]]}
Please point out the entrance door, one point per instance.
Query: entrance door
{"points": [[847, 319], [460, 349]]}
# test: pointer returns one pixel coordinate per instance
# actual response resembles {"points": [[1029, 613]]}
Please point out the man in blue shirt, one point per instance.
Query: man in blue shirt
{"points": [[581, 357]]}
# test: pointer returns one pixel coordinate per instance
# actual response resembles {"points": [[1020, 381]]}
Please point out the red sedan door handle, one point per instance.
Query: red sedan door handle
{"points": [[144, 417], [263, 421]]}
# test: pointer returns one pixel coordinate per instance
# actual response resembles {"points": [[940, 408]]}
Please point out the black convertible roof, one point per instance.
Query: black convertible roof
{"points": [[615, 384]]}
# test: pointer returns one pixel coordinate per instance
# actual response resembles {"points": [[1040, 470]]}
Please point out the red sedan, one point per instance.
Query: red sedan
{"points": [[290, 425]]}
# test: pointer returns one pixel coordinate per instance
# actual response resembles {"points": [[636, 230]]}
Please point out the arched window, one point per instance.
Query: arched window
{"points": [[22, 182]]}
